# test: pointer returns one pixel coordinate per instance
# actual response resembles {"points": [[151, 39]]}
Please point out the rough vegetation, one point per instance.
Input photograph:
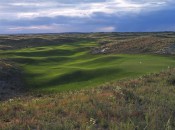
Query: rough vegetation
{"points": [[11, 42], [142, 44], [11, 83], [145, 103]]}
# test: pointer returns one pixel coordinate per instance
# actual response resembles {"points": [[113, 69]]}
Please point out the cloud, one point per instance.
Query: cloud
{"points": [[54, 28], [85, 15], [106, 29], [41, 27], [31, 10]]}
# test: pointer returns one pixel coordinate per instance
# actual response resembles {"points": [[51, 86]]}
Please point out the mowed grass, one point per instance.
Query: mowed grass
{"points": [[70, 66]]}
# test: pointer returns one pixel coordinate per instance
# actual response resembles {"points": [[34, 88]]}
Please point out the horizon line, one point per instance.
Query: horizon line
{"points": [[85, 32]]}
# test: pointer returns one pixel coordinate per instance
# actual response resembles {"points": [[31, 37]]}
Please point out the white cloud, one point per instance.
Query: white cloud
{"points": [[40, 27], [30, 10], [81, 15], [106, 29], [49, 28], [34, 4]]}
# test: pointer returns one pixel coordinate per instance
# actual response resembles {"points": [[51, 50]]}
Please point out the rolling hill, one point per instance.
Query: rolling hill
{"points": [[117, 81]]}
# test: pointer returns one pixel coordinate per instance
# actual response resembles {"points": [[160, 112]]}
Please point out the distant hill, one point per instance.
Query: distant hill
{"points": [[132, 43], [143, 43]]}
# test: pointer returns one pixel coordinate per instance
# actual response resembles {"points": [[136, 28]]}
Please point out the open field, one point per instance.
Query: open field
{"points": [[69, 65], [105, 81]]}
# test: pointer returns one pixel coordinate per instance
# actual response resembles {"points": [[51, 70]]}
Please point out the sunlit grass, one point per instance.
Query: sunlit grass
{"points": [[71, 66]]}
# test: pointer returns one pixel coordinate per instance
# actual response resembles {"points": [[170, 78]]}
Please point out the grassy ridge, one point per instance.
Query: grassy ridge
{"points": [[70, 66]]}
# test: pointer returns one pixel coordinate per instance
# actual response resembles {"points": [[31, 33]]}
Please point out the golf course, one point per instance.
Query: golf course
{"points": [[117, 81], [70, 66]]}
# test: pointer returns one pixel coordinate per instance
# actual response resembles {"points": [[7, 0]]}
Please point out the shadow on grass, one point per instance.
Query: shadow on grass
{"points": [[32, 61], [44, 53], [100, 61], [80, 76], [47, 53]]}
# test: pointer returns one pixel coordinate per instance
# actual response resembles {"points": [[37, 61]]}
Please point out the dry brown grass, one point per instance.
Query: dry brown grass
{"points": [[138, 45], [143, 103]]}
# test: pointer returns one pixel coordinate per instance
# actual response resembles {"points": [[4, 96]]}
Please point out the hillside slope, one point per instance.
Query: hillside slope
{"points": [[144, 44], [143, 103], [11, 82]]}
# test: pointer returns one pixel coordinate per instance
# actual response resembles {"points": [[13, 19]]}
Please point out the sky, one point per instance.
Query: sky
{"points": [[57, 16]]}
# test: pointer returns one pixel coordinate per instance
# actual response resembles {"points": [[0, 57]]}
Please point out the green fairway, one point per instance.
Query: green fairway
{"points": [[71, 66]]}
